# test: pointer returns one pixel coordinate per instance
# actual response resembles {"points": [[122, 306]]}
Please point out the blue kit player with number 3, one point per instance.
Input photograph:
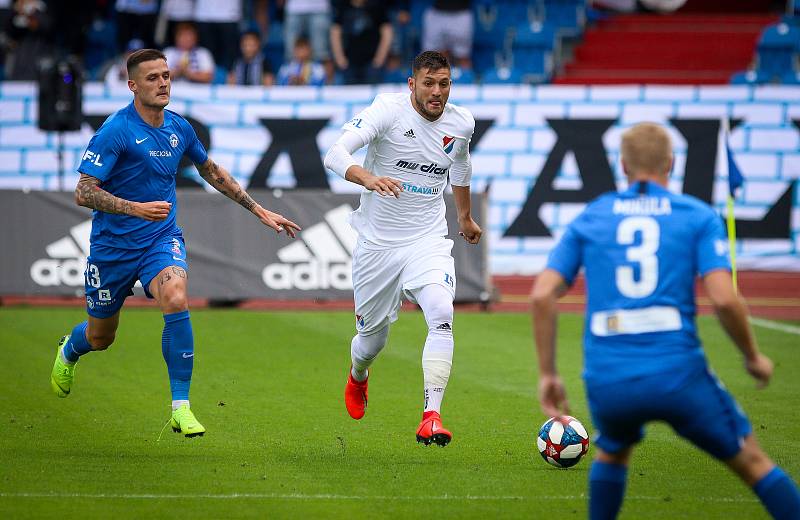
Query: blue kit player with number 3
{"points": [[127, 176], [641, 250]]}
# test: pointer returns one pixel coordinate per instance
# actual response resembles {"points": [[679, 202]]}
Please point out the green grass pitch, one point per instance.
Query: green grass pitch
{"points": [[268, 386]]}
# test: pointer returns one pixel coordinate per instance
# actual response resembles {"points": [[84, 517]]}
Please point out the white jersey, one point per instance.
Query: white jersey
{"points": [[423, 155]]}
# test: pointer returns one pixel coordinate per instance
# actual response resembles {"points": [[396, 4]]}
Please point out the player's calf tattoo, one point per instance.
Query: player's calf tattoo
{"points": [[179, 271]]}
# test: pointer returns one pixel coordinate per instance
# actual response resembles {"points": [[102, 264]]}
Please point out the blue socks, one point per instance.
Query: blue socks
{"points": [[779, 495], [77, 344], [606, 489], [177, 346]]}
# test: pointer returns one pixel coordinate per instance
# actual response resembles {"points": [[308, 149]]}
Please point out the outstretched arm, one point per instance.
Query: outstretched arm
{"points": [[549, 287], [89, 194], [223, 182], [732, 314], [468, 228]]}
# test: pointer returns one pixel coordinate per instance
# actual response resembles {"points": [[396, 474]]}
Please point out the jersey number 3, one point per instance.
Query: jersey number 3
{"points": [[644, 254]]}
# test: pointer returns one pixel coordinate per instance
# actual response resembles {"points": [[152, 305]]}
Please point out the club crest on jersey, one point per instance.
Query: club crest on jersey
{"points": [[173, 140], [448, 142]]}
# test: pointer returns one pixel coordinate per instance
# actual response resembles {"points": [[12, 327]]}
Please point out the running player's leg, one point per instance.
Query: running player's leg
{"points": [[107, 284], [776, 490], [436, 302], [177, 340], [177, 344], [715, 423], [164, 274], [376, 293], [607, 479], [619, 411]]}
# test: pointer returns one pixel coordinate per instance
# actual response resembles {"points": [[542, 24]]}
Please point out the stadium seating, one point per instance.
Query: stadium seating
{"points": [[777, 48]]}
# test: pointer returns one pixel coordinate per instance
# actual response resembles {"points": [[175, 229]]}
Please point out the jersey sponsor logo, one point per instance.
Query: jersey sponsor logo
{"points": [[422, 190], [66, 259], [92, 157], [160, 153], [321, 260], [425, 168], [140, 141], [173, 140], [410, 134], [448, 142]]}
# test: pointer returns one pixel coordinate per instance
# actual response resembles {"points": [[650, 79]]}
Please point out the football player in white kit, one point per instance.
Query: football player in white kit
{"points": [[416, 143]]}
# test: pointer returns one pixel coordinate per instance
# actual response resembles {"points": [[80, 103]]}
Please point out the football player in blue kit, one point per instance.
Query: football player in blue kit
{"points": [[127, 176], [641, 250]]}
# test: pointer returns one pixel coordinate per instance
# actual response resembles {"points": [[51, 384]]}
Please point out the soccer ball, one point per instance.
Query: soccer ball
{"points": [[562, 441]]}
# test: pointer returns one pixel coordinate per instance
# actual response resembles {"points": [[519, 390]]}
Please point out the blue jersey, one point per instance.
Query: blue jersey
{"points": [[641, 250], [138, 162]]}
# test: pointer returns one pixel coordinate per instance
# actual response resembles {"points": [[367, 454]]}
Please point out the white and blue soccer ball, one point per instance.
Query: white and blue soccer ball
{"points": [[562, 441]]}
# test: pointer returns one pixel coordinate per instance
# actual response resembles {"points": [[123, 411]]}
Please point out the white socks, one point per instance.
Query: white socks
{"points": [[364, 349], [437, 355], [178, 403]]}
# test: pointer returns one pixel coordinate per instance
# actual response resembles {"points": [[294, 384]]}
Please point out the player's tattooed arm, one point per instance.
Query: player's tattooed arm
{"points": [[89, 194], [223, 182]]}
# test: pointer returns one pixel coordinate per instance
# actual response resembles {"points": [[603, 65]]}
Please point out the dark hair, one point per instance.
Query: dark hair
{"points": [[251, 32], [431, 60], [143, 55], [302, 41]]}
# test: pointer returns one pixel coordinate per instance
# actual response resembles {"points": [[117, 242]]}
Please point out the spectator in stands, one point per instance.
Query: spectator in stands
{"points": [[447, 27], [309, 18], [174, 12], [136, 19], [361, 37], [302, 70], [28, 31], [252, 68], [5, 15], [218, 27], [188, 61], [117, 71]]}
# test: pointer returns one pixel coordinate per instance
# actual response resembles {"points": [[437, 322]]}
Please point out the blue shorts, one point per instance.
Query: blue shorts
{"points": [[700, 410], [111, 273]]}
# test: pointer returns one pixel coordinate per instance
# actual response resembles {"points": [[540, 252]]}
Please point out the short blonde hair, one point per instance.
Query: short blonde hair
{"points": [[646, 148]]}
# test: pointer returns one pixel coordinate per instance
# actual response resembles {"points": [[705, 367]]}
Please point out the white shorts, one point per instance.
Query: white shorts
{"points": [[382, 277]]}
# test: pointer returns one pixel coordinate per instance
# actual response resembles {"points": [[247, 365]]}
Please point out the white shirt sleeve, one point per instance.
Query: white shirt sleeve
{"points": [[373, 121], [461, 170], [368, 125], [340, 156]]}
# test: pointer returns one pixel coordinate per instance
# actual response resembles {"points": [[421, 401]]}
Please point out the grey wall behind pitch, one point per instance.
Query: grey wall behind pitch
{"points": [[232, 256]]}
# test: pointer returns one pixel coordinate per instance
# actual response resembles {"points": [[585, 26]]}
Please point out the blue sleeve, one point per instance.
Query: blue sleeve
{"points": [[195, 150], [567, 256], [712, 246], [102, 152]]}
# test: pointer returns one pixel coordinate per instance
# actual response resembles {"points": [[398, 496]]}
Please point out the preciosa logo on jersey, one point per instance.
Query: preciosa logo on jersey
{"points": [[67, 259], [425, 168], [173, 140], [323, 260], [447, 143]]}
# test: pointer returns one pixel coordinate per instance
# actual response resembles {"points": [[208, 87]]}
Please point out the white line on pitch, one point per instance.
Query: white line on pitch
{"points": [[299, 496], [775, 325]]}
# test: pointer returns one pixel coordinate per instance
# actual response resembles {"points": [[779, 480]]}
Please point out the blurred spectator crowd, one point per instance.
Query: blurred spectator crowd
{"points": [[283, 42], [309, 42]]}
